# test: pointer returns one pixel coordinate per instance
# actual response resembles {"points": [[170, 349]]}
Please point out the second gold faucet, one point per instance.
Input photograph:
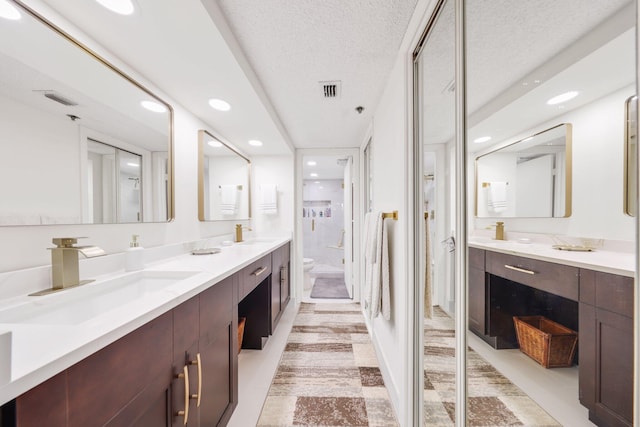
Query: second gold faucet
{"points": [[239, 228]]}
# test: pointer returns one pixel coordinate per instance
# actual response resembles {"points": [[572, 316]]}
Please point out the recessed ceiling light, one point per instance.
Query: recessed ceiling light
{"points": [[135, 165], [215, 144], [122, 7], [219, 104], [255, 143], [482, 139], [562, 97], [154, 106], [9, 11], [313, 175], [316, 182], [311, 163]]}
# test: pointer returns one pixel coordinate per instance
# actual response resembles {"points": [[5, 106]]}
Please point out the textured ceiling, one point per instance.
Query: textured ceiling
{"points": [[293, 45], [510, 46]]}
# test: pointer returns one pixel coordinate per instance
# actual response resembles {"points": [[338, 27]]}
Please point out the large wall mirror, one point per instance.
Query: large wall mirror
{"points": [[224, 191], [530, 178], [81, 142], [631, 156]]}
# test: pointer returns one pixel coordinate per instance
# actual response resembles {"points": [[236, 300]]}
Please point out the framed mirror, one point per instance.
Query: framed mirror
{"points": [[224, 191], [530, 178], [630, 155], [81, 142]]}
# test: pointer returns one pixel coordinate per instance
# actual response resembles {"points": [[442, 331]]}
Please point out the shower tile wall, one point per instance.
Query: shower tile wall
{"points": [[324, 199]]}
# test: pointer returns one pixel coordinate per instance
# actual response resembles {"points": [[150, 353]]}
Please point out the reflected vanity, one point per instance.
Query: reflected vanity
{"points": [[530, 178], [224, 191], [84, 143]]}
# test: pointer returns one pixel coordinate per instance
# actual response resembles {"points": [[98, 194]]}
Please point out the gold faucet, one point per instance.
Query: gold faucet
{"points": [[499, 230], [239, 228], [65, 271]]}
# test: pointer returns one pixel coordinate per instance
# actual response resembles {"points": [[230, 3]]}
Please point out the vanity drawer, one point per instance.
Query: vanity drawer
{"points": [[253, 274], [558, 279]]}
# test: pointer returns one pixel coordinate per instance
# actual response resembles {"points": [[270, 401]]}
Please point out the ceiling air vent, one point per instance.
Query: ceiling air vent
{"points": [[331, 90]]}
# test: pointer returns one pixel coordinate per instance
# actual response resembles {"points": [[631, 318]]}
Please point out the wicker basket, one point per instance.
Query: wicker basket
{"points": [[545, 341], [241, 322]]}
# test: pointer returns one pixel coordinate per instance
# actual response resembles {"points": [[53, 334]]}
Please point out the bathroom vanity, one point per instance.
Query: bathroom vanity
{"points": [[591, 293], [173, 359]]}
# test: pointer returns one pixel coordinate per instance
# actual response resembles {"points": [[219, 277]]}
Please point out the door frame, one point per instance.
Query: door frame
{"points": [[298, 247]]}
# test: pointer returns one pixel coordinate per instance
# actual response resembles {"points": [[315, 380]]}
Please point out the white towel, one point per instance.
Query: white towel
{"points": [[497, 197], [269, 199], [377, 294], [228, 199]]}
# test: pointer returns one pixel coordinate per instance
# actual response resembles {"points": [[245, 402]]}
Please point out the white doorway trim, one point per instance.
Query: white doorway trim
{"points": [[298, 253]]}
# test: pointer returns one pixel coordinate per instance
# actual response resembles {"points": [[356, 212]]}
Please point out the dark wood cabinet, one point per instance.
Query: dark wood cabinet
{"points": [[606, 347], [219, 352], [280, 287], [477, 291], [184, 363]]}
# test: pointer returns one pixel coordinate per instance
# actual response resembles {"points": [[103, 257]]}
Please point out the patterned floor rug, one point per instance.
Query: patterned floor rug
{"points": [[492, 399], [328, 374], [329, 287]]}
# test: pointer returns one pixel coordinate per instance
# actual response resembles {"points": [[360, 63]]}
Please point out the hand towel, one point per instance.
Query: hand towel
{"points": [[228, 199], [497, 197], [269, 199], [377, 292], [428, 305]]}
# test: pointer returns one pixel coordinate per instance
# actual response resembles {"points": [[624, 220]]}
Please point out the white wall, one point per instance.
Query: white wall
{"points": [[598, 157], [25, 246], [276, 170], [389, 145]]}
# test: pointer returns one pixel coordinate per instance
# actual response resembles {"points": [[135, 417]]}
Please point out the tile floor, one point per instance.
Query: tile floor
{"points": [[554, 390]]}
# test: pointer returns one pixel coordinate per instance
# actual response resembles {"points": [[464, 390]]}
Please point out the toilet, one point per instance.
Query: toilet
{"points": [[307, 266]]}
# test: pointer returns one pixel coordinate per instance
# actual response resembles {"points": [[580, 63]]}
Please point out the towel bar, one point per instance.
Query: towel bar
{"points": [[393, 215], [488, 184], [239, 186]]}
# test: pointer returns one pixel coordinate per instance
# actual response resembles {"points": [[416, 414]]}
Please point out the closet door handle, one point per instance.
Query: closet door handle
{"points": [[259, 271], [185, 413], [520, 269], [199, 364]]}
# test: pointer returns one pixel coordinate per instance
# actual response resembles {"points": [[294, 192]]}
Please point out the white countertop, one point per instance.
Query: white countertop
{"points": [[40, 351], [608, 261]]}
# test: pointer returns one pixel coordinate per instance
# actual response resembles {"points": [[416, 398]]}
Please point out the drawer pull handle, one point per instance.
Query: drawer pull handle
{"points": [[185, 413], [283, 274], [259, 271], [199, 364], [521, 270]]}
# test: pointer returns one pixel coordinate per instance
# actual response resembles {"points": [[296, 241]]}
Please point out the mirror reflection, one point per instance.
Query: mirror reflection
{"points": [[631, 156], [530, 178], [72, 127], [223, 181]]}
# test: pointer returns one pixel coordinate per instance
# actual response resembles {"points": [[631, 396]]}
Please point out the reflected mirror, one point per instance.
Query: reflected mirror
{"points": [[530, 178], [223, 181], [82, 142], [631, 156]]}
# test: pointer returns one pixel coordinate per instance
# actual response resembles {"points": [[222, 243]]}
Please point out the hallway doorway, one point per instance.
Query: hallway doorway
{"points": [[327, 185], [327, 218]]}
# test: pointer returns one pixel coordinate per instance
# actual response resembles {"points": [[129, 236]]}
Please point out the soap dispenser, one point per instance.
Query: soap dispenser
{"points": [[133, 256]]}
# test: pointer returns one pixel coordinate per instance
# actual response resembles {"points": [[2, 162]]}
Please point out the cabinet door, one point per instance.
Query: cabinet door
{"points": [[186, 333], [477, 301], [44, 405], [219, 352], [128, 375], [276, 287]]}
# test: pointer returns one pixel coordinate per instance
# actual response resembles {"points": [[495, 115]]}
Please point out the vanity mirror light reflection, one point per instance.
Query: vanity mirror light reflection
{"points": [[224, 191], [81, 142], [530, 178]]}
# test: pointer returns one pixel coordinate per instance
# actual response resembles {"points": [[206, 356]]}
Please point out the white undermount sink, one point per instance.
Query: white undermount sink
{"points": [[256, 241], [78, 305]]}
